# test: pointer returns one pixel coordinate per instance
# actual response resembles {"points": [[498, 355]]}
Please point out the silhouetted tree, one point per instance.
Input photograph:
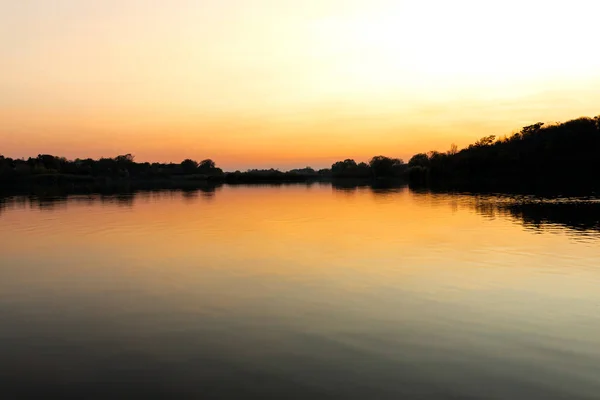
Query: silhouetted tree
{"points": [[124, 159], [206, 166], [485, 141], [558, 154], [419, 160], [382, 166], [350, 169], [189, 166], [346, 168]]}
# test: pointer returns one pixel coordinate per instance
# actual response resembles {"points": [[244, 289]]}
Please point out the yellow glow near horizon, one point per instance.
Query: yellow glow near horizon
{"points": [[277, 83]]}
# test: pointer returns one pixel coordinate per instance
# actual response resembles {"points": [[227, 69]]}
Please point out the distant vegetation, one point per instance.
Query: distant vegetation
{"points": [[274, 175], [552, 154], [48, 169], [121, 173], [378, 167]]}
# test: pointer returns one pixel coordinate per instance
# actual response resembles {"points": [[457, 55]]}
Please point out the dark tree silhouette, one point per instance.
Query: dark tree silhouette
{"points": [[556, 154], [206, 166], [386, 167], [560, 155], [419, 160], [350, 169], [189, 166], [484, 141]]}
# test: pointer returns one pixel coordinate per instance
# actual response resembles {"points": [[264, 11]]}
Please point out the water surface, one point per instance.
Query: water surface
{"points": [[300, 292]]}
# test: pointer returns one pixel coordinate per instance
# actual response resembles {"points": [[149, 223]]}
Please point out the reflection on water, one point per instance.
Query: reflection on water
{"points": [[580, 214], [300, 291], [537, 213]]}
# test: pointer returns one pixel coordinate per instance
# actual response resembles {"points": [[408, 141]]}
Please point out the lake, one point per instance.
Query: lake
{"points": [[299, 291]]}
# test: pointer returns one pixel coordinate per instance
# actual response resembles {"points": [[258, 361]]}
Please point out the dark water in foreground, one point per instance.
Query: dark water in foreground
{"points": [[301, 292]]}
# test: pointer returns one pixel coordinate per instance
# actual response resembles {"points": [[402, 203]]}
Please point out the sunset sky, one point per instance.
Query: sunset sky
{"points": [[260, 83]]}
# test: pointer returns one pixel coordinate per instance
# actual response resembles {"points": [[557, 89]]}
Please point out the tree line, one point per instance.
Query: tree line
{"points": [[549, 154], [561, 152], [124, 167]]}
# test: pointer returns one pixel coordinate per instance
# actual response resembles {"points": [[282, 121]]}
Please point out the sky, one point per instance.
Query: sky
{"points": [[279, 83]]}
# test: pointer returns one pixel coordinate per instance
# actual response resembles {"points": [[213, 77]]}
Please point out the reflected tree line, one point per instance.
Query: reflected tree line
{"points": [[57, 200], [580, 215], [541, 212], [576, 215]]}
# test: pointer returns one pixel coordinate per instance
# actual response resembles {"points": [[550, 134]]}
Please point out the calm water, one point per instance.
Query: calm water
{"points": [[302, 292]]}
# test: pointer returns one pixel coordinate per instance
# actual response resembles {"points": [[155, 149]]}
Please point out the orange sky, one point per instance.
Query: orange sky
{"points": [[284, 83]]}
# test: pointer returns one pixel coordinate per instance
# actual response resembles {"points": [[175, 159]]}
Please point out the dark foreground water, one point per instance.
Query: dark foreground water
{"points": [[303, 292]]}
